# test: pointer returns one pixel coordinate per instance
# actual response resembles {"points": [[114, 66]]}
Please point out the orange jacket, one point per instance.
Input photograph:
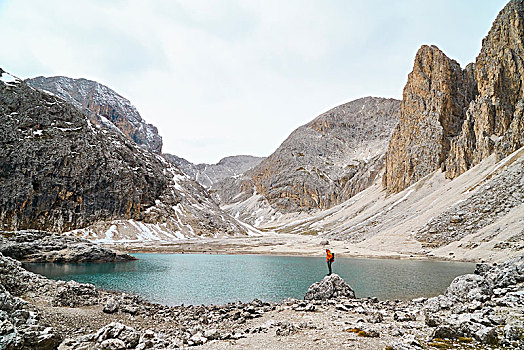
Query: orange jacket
{"points": [[329, 256]]}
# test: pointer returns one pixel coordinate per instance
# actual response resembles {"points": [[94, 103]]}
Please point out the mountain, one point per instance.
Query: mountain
{"points": [[452, 118], [209, 174], [432, 111], [104, 107], [321, 164], [453, 184], [61, 172]]}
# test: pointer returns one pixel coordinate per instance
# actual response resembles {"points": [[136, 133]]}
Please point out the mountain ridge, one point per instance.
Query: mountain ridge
{"points": [[104, 107], [61, 172]]}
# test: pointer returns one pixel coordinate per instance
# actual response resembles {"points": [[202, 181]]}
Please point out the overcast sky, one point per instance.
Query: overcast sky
{"points": [[222, 78]]}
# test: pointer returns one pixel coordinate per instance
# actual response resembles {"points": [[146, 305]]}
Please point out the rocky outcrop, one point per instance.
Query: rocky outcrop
{"points": [[20, 328], [322, 163], [104, 107], [40, 246], [58, 173], [433, 108], [487, 306], [209, 174], [332, 286]]}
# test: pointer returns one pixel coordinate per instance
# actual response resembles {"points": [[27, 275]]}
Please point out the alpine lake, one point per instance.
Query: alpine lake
{"points": [[174, 279]]}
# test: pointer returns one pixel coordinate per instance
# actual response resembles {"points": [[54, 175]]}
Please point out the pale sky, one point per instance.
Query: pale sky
{"points": [[221, 78]]}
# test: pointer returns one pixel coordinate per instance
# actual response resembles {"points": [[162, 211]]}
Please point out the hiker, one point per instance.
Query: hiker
{"points": [[330, 257]]}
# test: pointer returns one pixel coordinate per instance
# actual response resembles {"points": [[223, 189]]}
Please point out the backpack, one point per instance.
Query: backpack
{"points": [[332, 257]]}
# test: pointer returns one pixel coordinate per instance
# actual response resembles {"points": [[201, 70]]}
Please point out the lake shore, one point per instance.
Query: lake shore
{"points": [[281, 244], [480, 311]]}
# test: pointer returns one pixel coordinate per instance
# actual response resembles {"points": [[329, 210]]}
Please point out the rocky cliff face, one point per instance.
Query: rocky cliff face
{"points": [[495, 121], [104, 107], [452, 118], [433, 108], [59, 172], [209, 174], [326, 161]]}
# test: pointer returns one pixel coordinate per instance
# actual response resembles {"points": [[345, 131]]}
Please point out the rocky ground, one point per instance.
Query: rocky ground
{"points": [[40, 246], [484, 310]]}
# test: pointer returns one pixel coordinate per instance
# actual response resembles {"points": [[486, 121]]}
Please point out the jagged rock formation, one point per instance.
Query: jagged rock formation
{"points": [[104, 107], [58, 172], [452, 118], [209, 174], [322, 163], [433, 107], [495, 121]]}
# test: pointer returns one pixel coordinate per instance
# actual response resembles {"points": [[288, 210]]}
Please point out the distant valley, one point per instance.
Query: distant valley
{"points": [[438, 173]]}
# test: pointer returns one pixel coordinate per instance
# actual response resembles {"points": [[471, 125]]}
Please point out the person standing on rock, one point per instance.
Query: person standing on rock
{"points": [[330, 258]]}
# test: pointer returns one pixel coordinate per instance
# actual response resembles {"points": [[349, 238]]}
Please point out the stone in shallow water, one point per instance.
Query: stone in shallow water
{"points": [[330, 287]]}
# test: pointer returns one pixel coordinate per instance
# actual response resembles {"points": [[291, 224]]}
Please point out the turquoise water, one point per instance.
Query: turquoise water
{"points": [[174, 279]]}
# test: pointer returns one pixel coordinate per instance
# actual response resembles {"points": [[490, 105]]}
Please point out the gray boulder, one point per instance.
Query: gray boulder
{"points": [[74, 294], [111, 306], [330, 287]]}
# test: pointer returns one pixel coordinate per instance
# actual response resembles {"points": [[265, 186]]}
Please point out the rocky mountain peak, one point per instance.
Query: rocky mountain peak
{"points": [[323, 162], [494, 121], [433, 108], [452, 118], [104, 107], [59, 172]]}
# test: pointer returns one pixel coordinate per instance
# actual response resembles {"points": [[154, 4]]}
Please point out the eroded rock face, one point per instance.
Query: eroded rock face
{"points": [[104, 107], [59, 172], [452, 118], [495, 121], [433, 108], [332, 286]]}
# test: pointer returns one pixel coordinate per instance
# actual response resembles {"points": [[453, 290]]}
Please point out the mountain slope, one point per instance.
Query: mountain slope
{"points": [[59, 172], [103, 106], [209, 174], [319, 165], [478, 215]]}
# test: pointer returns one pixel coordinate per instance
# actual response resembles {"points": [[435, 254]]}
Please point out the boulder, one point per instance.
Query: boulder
{"points": [[330, 287], [111, 306]]}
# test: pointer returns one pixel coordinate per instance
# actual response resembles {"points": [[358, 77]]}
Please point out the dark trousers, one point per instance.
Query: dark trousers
{"points": [[329, 266]]}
